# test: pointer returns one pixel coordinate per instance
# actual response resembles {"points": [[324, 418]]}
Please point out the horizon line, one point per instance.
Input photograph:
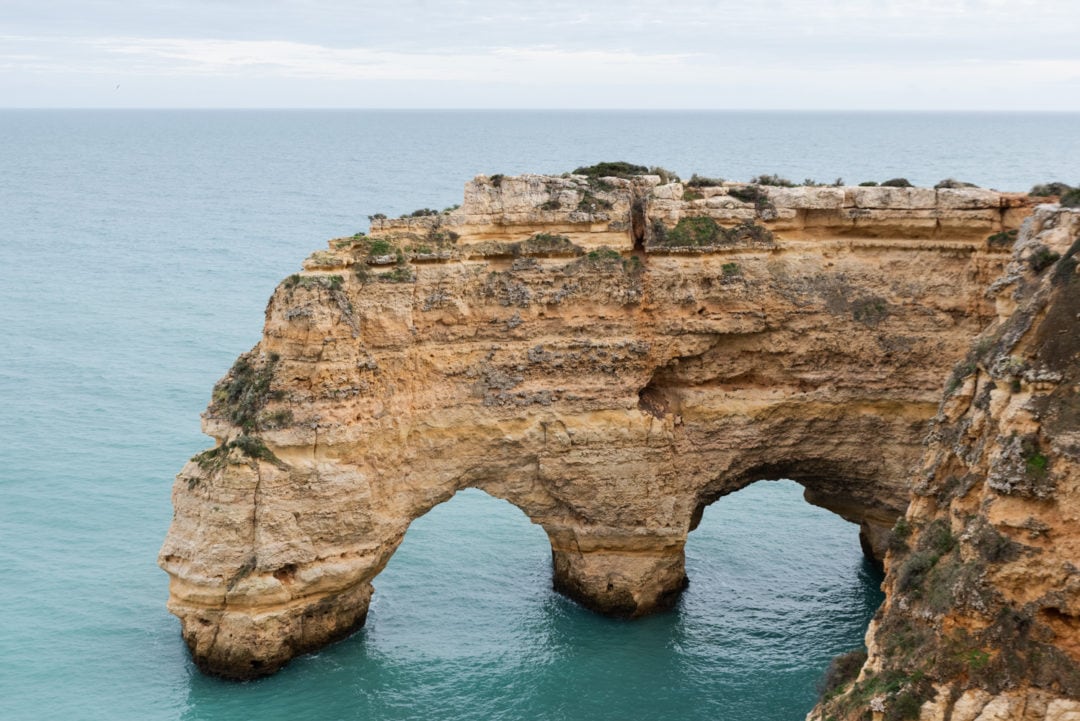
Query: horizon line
{"points": [[1012, 111]]}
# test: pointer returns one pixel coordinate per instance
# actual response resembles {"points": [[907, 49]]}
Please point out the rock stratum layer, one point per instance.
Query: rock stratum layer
{"points": [[608, 355], [981, 620]]}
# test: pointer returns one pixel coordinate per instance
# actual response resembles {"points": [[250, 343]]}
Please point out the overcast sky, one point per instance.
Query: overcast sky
{"points": [[743, 54]]}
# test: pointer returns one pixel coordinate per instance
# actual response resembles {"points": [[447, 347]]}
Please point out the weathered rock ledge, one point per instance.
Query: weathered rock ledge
{"points": [[610, 356]]}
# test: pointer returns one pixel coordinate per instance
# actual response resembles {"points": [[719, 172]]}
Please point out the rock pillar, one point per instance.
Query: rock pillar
{"points": [[627, 579]]}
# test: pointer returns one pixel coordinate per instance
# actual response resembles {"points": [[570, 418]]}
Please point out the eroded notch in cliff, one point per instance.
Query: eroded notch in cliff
{"points": [[652, 399], [638, 194]]}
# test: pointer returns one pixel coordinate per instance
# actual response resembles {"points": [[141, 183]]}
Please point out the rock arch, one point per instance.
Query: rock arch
{"points": [[609, 389]]}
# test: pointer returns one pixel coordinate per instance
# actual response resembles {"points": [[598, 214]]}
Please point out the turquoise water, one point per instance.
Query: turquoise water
{"points": [[139, 249]]}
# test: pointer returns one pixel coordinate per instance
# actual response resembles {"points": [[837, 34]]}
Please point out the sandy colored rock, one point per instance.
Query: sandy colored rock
{"points": [[605, 355], [970, 705], [1063, 710], [1001, 708]]}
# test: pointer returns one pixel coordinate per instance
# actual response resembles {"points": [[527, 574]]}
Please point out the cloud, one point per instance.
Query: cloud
{"points": [[230, 72], [187, 56], [545, 64]]}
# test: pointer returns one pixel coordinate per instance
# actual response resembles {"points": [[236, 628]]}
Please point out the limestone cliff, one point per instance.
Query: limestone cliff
{"points": [[982, 615], [610, 355]]}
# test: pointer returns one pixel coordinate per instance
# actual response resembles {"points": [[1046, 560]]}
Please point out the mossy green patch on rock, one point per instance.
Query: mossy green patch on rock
{"points": [[243, 393], [703, 232], [250, 446]]}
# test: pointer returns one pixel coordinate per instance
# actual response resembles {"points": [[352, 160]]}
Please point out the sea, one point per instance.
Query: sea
{"points": [[139, 249]]}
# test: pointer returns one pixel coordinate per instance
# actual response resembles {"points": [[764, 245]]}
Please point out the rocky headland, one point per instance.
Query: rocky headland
{"points": [[981, 620], [613, 354]]}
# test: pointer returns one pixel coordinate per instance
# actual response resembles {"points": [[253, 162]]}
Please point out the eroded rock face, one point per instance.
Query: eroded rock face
{"points": [[982, 613], [609, 356]]}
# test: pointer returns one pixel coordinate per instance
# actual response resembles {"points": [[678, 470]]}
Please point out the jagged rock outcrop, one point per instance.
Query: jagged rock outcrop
{"points": [[981, 620], [610, 355]]}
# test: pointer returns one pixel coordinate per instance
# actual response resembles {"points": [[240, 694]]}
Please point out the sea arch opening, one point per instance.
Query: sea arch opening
{"points": [[857, 495], [779, 586], [473, 555]]}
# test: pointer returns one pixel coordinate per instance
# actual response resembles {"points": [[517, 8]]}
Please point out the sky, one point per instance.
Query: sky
{"points": [[617, 54]]}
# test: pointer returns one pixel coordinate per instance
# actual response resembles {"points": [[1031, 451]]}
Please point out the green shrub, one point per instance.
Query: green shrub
{"points": [[1071, 199], [331, 282], [897, 183], [701, 230], [748, 232], [616, 169], [549, 239], [904, 706], [812, 183], [497, 179], [899, 535], [400, 274], [976, 659], [1042, 258], [666, 176], [541, 243], [942, 582], [589, 203], [730, 270], [914, 570], [377, 216], [961, 371], [276, 419], [868, 184], [1003, 239], [441, 236], [701, 181], [751, 194], [953, 183], [773, 180], [992, 546], [245, 390], [210, 460], [421, 213], [842, 670], [451, 208], [937, 537], [1036, 463], [691, 194], [254, 448], [601, 254], [380, 247], [550, 204], [693, 231], [1044, 190], [250, 445]]}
